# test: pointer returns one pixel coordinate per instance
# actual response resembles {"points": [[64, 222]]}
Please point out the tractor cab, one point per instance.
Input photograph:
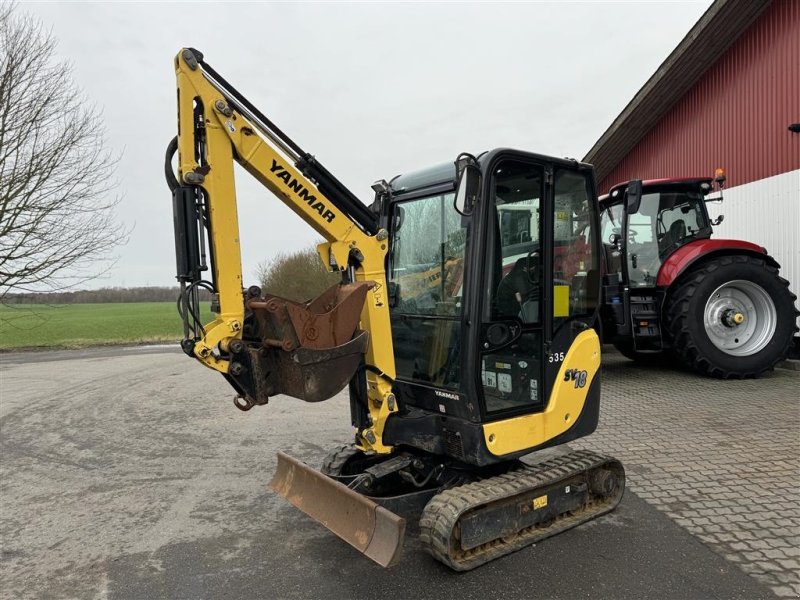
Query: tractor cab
{"points": [[642, 225], [669, 215]]}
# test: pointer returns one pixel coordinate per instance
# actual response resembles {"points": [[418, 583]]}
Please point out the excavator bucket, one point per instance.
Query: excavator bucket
{"points": [[368, 527], [309, 350]]}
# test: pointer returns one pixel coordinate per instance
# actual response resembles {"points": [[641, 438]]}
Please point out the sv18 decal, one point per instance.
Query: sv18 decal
{"points": [[579, 377]]}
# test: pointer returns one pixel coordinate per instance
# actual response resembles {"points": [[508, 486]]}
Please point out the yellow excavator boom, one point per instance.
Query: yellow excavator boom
{"points": [[216, 131]]}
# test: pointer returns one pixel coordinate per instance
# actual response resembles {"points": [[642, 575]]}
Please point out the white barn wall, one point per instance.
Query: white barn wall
{"points": [[766, 212]]}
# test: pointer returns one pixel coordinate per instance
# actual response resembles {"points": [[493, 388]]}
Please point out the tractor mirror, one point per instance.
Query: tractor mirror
{"points": [[469, 184], [633, 196]]}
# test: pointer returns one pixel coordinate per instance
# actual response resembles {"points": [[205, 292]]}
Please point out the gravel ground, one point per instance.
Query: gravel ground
{"points": [[127, 473]]}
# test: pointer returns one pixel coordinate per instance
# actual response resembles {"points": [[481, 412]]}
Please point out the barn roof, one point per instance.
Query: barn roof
{"points": [[718, 28]]}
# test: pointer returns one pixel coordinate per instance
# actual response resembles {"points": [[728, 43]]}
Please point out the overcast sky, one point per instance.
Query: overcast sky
{"points": [[373, 90]]}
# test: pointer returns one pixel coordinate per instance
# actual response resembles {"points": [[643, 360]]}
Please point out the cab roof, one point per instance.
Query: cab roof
{"points": [[423, 178], [445, 173], [618, 189]]}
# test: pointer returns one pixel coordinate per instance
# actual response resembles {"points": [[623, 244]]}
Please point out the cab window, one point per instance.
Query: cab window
{"points": [[511, 377], [575, 262], [427, 268], [517, 194]]}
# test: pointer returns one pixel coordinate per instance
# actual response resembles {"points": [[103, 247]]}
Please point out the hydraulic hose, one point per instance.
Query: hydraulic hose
{"points": [[172, 181]]}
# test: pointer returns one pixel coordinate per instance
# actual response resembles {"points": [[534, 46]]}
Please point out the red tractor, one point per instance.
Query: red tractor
{"points": [[720, 306]]}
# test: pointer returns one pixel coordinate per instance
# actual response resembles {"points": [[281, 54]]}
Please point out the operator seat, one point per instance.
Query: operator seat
{"points": [[516, 288], [677, 231]]}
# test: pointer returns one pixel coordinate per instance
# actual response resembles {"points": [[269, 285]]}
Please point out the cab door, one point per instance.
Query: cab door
{"points": [[541, 275]]}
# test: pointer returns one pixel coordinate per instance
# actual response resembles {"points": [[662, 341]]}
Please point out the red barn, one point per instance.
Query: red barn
{"points": [[728, 96]]}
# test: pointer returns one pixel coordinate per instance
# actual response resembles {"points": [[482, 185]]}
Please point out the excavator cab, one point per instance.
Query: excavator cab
{"points": [[486, 306]]}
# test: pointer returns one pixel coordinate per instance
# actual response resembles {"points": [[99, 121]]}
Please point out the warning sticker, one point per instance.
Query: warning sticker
{"points": [[491, 379], [504, 382], [534, 389]]}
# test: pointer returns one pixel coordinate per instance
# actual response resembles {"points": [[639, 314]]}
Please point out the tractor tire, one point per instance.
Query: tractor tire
{"points": [[731, 317]]}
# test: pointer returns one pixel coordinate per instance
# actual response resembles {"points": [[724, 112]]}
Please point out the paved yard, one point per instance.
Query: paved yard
{"points": [[129, 474], [721, 458]]}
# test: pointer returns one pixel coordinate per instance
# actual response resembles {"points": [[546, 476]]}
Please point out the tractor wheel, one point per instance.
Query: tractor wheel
{"points": [[731, 316]]}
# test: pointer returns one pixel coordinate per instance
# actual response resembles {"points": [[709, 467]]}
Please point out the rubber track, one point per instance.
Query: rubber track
{"points": [[334, 462], [440, 518], [678, 315]]}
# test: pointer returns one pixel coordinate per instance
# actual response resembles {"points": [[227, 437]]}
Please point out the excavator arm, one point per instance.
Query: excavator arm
{"points": [[255, 338]]}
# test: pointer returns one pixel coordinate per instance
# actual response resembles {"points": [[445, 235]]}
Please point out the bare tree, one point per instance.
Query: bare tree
{"points": [[57, 225]]}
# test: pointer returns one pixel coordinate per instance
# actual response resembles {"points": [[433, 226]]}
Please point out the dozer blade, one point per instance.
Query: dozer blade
{"points": [[365, 525]]}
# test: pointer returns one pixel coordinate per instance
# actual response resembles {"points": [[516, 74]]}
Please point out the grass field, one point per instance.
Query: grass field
{"points": [[79, 325]]}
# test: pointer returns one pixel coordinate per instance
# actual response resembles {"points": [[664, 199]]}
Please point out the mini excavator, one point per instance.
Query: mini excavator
{"points": [[463, 326]]}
